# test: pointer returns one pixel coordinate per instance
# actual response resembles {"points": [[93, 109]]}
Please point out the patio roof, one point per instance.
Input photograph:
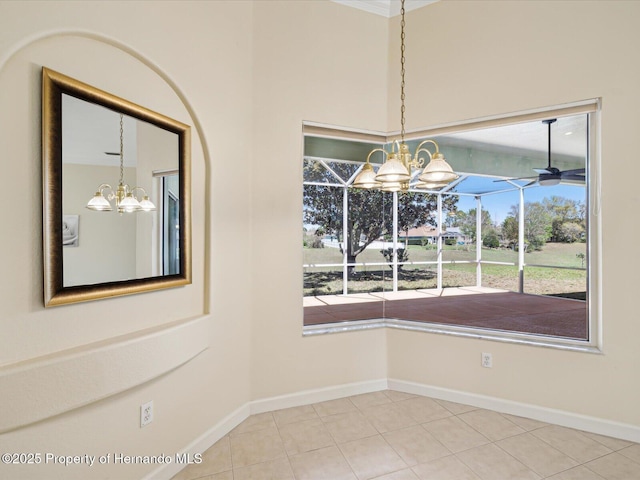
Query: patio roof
{"points": [[489, 160]]}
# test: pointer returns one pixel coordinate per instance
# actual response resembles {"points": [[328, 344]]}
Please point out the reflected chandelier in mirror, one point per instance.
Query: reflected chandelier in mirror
{"points": [[126, 200], [84, 130]]}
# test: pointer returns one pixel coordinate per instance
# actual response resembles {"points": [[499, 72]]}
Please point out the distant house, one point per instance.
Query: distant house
{"points": [[429, 234]]}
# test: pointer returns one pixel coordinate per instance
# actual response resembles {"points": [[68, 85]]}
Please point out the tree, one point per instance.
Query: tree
{"points": [[403, 256], [537, 224], [490, 238], [510, 230], [562, 211], [467, 222], [370, 215], [570, 232]]}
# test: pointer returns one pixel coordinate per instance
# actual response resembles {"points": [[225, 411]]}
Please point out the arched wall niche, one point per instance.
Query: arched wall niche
{"points": [[57, 343]]}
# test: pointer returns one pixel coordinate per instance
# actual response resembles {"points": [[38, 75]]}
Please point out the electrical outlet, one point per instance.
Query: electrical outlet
{"points": [[487, 360], [146, 413]]}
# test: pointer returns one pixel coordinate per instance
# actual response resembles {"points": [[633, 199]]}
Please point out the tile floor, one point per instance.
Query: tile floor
{"points": [[390, 435]]}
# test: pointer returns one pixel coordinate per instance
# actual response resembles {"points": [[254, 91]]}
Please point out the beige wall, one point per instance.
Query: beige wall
{"points": [[103, 236], [475, 59], [157, 151], [246, 95], [322, 62], [183, 43]]}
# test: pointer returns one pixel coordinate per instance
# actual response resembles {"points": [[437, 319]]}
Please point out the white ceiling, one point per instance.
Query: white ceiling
{"points": [[385, 8], [89, 130], [568, 137]]}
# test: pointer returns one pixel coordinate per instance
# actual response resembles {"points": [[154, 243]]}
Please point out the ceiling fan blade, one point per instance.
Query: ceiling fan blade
{"points": [[575, 171], [542, 170], [531, 183], [579, 178]]}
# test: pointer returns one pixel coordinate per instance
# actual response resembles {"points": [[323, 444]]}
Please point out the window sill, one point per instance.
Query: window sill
{"points": [[465, 332]]}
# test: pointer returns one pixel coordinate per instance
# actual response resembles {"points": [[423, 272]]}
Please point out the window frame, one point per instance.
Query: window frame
{"points": [[162, 228], [594, 344]]}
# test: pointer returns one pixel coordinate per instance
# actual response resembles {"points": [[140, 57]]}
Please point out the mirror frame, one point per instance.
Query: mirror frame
{"points": [[55, 84]]}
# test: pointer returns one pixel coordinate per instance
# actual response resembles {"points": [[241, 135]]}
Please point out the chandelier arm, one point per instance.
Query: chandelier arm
{"points": [[112, 193], [417, 155], [131, 190], [428, 141], [374, 151]]}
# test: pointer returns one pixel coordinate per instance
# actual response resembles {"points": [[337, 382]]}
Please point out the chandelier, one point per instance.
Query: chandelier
{"points": [[395, 173], [126, 201]]}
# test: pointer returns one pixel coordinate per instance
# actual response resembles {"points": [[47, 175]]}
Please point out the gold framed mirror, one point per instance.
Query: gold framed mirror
{"points": [[116, 195]]}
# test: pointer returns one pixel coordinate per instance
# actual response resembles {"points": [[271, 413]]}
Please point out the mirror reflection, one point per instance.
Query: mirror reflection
{"points": [[116, 192], [110, 163]]}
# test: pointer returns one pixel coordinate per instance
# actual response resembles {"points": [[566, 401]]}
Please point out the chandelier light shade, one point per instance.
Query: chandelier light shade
{"points": [[126, 201], [129, 204], [366, 178], [396, 172], [146, 205], [393, 170], [98, 202], [437, 170]]}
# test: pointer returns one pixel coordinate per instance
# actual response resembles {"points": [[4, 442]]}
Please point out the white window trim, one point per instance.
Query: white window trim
{"points": [[594, 226]]}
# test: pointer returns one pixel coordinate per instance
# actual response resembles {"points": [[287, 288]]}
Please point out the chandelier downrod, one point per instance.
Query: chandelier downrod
{"points": [[396, 172]]}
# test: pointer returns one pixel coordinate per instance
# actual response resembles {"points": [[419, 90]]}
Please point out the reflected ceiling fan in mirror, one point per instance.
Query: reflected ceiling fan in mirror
{"points": [[551, 175]]}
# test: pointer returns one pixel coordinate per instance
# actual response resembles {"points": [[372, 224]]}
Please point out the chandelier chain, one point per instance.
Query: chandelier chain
{"points": [[121, 151], [124, 195], [402, 35], [396, 173]]}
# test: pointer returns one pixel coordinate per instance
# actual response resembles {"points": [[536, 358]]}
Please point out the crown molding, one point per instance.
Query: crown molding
{"points": [[385, 8]]}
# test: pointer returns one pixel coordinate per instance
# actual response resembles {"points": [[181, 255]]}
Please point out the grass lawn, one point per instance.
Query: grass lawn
{"points": [[368, 278]]}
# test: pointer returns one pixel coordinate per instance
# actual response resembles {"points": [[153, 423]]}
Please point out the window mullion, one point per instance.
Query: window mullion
{"points": [[478, 241], [345, 232], [439, 246], [395, 241], [521, 241]]}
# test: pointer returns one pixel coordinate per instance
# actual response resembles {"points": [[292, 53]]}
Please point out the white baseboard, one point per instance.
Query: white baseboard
{"points": [[307, 397], [549, 415], [203, 442]]}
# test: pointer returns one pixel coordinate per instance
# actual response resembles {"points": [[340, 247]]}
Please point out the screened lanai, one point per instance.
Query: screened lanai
{"points": [[463, 255]]}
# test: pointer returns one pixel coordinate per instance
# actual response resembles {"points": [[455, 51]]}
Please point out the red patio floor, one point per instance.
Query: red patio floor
{"points": [[505, 311]]}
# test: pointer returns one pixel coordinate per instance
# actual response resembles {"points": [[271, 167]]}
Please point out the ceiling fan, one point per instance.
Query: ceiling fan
{"points": [[550, 175]]}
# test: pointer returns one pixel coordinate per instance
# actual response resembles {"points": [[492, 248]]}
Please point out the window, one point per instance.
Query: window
{"points": [[502, 252], [169, 227]]}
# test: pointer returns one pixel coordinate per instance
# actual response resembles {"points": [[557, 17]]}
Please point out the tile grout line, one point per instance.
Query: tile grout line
{"points": [[284, 449], [359, 407]]}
